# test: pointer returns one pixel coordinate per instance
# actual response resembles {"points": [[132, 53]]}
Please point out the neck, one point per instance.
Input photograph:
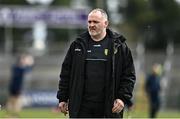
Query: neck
{"points": [[100, 37]]}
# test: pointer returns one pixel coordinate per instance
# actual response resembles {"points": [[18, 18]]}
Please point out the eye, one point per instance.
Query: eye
{"points": [[96, 22], [89, 22]]}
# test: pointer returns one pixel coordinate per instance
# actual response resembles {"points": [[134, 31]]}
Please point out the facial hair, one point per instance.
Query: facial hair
{"points": [[95, 32]]}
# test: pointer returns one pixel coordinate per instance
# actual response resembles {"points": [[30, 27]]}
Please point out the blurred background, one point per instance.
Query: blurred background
{"points": [[45, 29]]}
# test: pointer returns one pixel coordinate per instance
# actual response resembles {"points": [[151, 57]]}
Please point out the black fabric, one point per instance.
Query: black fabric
{"points": [[91, 109], [95, 70], [98, 49], [72, 77], [95, 81]]}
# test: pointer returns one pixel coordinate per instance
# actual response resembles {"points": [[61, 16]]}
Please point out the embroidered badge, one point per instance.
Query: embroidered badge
{"points": [[89, 51], [77, 49], [97, 45], [106, 52]]}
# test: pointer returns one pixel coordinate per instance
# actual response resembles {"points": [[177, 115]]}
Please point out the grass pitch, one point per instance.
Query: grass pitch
{"points": [[51, 113]]}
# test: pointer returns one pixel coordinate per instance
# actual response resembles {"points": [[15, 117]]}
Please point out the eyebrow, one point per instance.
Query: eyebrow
{"points": [[93, 21]]}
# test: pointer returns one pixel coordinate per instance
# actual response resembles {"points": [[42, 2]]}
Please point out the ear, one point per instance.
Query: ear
{"points": [[106, 23]]}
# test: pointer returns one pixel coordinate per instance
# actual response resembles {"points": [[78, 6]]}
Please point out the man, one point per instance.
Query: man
{"points": [[97, 76], [22, 66], [152, 86]]}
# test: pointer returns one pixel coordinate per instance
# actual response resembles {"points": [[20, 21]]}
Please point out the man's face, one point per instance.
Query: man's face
{"points": [[97, 24]]}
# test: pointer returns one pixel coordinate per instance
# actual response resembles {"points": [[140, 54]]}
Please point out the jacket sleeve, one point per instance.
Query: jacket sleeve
{"points": [[64, 81], [128, 77]]}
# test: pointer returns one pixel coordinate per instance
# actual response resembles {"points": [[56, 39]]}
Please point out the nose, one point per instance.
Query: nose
{"points": [[91, 24]]}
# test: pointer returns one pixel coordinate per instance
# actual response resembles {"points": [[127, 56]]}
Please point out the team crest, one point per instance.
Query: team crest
{"points": [[106, 52]]}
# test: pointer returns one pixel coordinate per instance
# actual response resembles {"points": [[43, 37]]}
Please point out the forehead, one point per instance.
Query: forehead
{"points": [[95, 14]]}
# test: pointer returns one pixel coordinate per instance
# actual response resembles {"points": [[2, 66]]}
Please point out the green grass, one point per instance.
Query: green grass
{"points": [[48, 113], [35, 113], [161, 114]]}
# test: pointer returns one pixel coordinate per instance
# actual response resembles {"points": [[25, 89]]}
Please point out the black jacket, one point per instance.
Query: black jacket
{"points": [[120, 77]]}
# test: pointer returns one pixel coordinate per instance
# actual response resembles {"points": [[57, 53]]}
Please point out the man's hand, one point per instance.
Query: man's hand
{"points": [[118, 106], [63, 107]]}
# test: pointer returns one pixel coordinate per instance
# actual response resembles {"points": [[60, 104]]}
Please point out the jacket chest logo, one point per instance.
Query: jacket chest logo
{"points": [[106, 52], [77, 50]]}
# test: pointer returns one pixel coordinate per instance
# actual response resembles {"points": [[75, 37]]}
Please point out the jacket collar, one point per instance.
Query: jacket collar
{"points": [[118, 38]]}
